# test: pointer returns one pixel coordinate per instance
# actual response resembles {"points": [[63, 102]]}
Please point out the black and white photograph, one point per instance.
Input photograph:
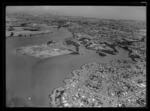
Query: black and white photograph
{"points": [[75, 56]]}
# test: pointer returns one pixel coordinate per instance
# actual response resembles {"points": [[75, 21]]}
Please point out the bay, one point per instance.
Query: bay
{"points": [[32, 80]]}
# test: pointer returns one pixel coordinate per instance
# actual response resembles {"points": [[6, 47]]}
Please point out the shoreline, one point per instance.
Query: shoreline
{"points": [[34, 35]]}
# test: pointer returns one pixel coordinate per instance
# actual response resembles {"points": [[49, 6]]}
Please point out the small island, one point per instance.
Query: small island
{"points": [[51, 49]]}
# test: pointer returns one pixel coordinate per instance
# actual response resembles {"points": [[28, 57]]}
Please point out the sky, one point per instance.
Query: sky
{"points": [[103, 12]]}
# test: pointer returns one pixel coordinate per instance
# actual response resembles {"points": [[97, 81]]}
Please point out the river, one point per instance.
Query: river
{"points": [[30, 80]]}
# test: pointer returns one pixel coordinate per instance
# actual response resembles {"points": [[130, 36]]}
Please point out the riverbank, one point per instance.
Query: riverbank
{"points": [[29, 33]]}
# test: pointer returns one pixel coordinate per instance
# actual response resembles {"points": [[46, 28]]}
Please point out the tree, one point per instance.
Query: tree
{"points": [[49, 42], [23, 24], [20, 35], [12, 34], [10, 28]]}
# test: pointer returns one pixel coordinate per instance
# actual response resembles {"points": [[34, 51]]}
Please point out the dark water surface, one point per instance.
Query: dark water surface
{"points": [[30, 80]]}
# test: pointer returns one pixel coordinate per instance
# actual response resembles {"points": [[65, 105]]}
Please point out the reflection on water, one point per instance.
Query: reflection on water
{"points": [[31, 80]]}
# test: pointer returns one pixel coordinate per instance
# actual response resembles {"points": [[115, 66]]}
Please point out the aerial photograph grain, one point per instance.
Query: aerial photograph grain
{"points": [[75, 56]]}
